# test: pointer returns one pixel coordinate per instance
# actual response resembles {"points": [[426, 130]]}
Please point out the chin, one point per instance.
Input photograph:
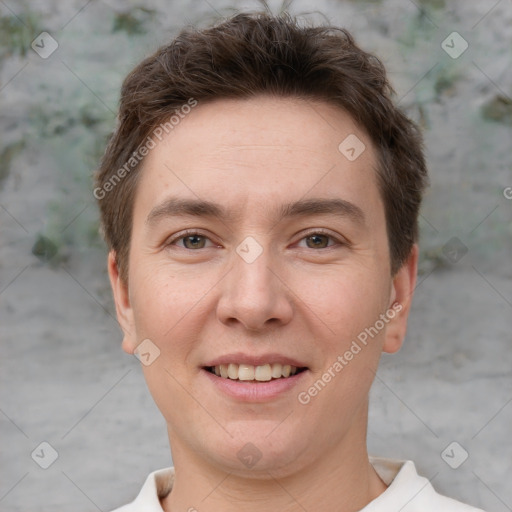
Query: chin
{"points": [[256, 454]]}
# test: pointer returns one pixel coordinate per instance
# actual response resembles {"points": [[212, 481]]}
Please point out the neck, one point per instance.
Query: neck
{"points": [[342, 479]]}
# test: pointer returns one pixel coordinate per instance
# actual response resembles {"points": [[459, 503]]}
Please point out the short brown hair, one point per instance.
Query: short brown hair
{"points": [[251, 54]]}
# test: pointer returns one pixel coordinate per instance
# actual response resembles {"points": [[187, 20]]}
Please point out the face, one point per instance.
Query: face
{"points": [[257, 242]]}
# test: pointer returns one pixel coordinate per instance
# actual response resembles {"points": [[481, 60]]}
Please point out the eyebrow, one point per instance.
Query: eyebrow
{"points": [[178, 207]]}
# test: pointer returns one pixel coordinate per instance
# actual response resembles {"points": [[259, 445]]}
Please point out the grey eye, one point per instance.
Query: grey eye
{"points": [[194, 241], [317, 241]]}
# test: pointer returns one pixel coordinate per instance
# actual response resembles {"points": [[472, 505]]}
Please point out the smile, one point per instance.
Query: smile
{"points": [[251, 373]]}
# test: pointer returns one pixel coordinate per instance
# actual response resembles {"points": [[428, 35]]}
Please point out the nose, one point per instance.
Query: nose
{"points": [[254, 294]]}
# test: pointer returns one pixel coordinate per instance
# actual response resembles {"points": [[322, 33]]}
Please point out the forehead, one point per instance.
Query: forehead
{"points": [[259, 152]]}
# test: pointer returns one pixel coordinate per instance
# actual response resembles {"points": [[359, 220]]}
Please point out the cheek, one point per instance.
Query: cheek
{"points": [[350, 305], [347, 300], [166, 305], [163, 297]]}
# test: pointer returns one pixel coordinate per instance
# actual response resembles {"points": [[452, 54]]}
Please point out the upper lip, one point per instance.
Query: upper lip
{"points": [[255, 360]]}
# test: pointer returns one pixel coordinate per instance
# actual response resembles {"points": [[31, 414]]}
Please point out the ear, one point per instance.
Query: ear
{"points": [[402, 291], [123, 307]]}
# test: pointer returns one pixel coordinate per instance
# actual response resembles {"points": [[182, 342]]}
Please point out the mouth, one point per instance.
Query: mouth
{"points": [[253, 374]]}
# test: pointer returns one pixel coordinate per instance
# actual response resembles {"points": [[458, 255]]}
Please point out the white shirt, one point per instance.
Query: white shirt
{"points": [[407, 491]]}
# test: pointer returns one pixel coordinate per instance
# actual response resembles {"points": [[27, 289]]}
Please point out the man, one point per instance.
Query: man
{"points": [[260, 200]]}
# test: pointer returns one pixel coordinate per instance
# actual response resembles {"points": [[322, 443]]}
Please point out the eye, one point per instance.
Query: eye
{"points": [[191, 240], [320, 240]]}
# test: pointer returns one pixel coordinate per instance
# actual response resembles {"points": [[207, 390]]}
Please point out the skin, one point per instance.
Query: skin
{"points": [[296, 299]]}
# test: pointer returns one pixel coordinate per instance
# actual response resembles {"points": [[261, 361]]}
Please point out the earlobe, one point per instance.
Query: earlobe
{"points": [[401, 296], [122, 302]]}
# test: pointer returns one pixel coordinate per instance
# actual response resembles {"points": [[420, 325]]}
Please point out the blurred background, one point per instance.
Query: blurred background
{"points": [[445, 400]]}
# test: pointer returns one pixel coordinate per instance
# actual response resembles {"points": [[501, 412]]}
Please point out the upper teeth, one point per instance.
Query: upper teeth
{"points": [[263, 372]]}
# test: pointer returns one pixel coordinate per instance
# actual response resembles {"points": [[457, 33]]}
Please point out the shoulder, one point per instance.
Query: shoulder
{"points": [[157, 485], [408, 491]]}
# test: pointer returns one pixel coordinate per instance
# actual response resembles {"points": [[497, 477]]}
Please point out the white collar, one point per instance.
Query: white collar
{"points": [[406, 489]]}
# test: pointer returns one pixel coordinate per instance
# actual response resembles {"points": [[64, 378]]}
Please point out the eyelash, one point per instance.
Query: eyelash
{"points": [[320, 231]]}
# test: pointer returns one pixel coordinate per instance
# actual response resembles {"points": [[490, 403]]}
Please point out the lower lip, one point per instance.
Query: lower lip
{"points": [[254, 391]]}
